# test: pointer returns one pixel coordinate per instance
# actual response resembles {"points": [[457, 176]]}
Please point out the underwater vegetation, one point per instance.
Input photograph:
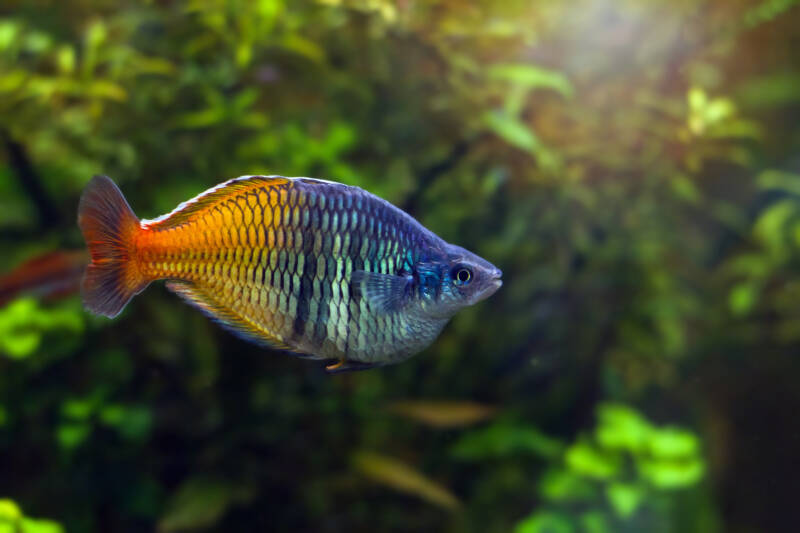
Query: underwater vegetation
{"points": [[633, 168]]}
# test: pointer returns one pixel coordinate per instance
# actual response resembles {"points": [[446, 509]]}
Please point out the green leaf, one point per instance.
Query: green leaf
{"points": [[560, 485], [78, 408], [23, 323], [512, 130], [21, 344], [37, 42], [108, 90], [591, 462], [545, 522], [112, 414], [531, 77], [671, 443], [304, 47], [671, 474], [9, 511], [244, 100], [154, 65], [8, 33], [769, 92], [506, 439], [19, 338], [595, 522], [72, 435], [13, 521], [29, 525], [684, 188], [769, 227], [132, 422], [624, 498], [621, 427], [136, 423], [96, 34], [718, 109], [697, 99], [65, 58], [705, 113], [244, 53], [743, 297], [766, 11], [779, 180]]}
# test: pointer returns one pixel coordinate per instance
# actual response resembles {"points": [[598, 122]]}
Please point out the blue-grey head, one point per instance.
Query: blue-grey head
{"points": [[442, 282], [455, 279]]}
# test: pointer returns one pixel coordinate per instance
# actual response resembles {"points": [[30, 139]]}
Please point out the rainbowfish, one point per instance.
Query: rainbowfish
{"points": [[318, 268]]}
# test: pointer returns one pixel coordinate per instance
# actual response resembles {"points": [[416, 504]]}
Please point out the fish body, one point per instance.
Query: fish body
{"points": [[318, 268]]}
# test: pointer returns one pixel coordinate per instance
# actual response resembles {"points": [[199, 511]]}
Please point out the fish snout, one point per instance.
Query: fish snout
{"points": [[497, 276]]}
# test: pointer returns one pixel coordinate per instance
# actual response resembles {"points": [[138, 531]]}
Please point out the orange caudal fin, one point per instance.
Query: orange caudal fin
{"points": [[109, 226]]}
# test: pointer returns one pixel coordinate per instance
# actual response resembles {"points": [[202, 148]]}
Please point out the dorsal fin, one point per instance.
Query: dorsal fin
{"points": [[228, 318], [213, 196]]}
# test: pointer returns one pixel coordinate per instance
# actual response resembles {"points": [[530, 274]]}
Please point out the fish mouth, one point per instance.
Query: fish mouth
{"points": [[495, 282], [496, 278], [488, 289], [488, 286]]}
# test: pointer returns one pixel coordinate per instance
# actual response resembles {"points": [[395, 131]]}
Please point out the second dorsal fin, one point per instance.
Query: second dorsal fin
{"points": [[212, 197]]}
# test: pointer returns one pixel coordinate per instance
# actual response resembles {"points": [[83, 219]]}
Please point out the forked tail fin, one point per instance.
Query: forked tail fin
{"points": [[109, 227]]}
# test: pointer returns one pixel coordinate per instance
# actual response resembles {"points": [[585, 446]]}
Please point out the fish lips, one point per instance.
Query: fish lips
{"points": [[491, 287]]}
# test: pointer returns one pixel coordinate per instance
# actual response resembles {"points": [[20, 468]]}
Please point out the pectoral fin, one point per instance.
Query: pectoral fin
{"points": [[385, 292]]}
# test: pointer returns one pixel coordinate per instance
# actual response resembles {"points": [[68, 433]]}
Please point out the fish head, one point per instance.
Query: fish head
{"points": [[455, 280]]}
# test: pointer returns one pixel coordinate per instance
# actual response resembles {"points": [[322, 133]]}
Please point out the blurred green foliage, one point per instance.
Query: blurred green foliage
{"points": [[13, 521], [631, 166], [23, 325], [619, 479]]}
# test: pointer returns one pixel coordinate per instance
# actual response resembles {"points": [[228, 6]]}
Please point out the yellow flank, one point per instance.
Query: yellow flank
{"points": [[216, 238]]}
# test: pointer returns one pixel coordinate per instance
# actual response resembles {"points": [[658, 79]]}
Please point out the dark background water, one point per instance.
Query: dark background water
{"points": [[632, 167]]}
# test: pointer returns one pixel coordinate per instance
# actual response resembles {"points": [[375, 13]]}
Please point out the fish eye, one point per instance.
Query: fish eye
{"points": [[462, 275]]}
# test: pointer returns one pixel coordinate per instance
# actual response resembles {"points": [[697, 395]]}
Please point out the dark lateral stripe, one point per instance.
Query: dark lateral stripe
{"points": [[372, 253], [306, 291], [321, 325], [355, 251], [326, 276]]}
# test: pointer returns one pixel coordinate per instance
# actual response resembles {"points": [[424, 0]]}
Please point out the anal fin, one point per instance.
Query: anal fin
{"points": [[228, 318]]}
